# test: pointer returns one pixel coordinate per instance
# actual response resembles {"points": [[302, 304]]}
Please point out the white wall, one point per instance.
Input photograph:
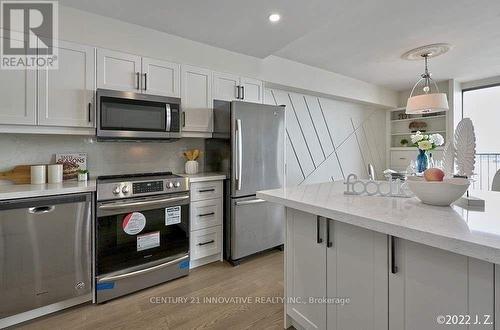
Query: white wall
{"points": [[83, 27], [103, 158], [328, 139]]}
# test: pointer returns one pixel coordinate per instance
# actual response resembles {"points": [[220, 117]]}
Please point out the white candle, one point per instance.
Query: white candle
{"points": [[55, 173], [38, 174]]}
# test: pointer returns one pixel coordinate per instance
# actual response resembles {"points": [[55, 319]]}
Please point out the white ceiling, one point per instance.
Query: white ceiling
{"points": [[358, 38]]}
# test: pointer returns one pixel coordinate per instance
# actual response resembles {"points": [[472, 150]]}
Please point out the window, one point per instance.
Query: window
{"points": [[482, 106]]}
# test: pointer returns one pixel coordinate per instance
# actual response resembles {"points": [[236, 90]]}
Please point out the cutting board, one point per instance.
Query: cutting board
{"points": [[20, 174]]}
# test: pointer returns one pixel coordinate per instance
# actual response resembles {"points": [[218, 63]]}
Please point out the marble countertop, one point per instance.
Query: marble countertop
{"points": [[205, 176], [472, 233], [48, 189]]}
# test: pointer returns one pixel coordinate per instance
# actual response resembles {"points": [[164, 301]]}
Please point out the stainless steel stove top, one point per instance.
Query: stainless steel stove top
{"points": [[112, 187]]}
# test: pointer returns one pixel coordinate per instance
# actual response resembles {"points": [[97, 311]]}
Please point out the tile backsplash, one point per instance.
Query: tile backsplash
{"points": [[102, 157]]}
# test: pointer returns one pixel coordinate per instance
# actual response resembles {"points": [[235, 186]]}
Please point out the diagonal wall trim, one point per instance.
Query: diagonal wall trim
{"points": [[302, 131], [314, 126], [326, 123], [291, 143]]}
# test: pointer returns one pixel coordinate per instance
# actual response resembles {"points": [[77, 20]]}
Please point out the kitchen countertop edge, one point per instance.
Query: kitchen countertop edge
{"points": [[8, 192]]}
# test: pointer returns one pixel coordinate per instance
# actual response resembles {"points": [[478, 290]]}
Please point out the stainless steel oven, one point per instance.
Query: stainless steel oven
{"points": [[136, 116], [142, 232]]}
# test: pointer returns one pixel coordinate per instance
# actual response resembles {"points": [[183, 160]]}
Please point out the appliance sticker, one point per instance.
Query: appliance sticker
{"points": [[105, 286], [134, 223], [148, 241], [172, 215], [184, 264]]}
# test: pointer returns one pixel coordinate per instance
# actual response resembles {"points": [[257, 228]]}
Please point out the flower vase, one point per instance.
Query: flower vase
{"points": [[191, 167], [422, 161]]}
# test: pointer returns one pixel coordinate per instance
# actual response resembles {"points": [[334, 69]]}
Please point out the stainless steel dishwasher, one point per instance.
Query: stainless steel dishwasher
{"points": [[45, 255]]}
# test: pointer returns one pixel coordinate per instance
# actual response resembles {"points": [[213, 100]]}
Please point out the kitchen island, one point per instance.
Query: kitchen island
{"points": [[367, 262]]}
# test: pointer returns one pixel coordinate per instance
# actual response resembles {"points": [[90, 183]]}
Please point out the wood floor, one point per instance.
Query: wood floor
{"points": [[261, 276]]}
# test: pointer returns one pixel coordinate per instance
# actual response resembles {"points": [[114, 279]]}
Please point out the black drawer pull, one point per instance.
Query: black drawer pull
{"points": [[206, 214], [394, 267], [209, 242], [206, 190]]}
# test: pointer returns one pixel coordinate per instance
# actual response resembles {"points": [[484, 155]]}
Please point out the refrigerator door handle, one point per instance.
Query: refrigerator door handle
{"points": [[239, 154]]}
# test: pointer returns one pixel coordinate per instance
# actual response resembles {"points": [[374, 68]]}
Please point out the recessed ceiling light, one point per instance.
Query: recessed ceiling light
{"points": [[274, 17]]}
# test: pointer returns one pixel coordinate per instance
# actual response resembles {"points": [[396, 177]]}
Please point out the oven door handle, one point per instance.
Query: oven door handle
{"points": [[118, 206], [142, 271]]}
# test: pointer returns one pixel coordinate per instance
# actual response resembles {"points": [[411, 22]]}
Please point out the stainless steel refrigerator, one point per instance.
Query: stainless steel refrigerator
{"points": [[249, 146]]}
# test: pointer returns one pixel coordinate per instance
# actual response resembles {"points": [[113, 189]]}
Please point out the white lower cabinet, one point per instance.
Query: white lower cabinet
{"points": [[206, 212], [429, 284], [353, 269], [336, 274]]}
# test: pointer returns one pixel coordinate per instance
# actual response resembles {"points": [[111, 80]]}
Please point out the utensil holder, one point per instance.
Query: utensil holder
{"points": [[191, 167]]}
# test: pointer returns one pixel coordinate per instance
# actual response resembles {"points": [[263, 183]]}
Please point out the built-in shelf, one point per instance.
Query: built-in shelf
{"points": [[410, 133], [417, 118]]}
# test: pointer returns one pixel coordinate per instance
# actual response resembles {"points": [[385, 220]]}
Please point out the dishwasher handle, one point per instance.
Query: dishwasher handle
{"points": [[41, 209]]}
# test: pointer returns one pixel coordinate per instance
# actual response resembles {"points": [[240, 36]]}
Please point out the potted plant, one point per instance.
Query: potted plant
{"points": [[83, 175], [404, 142], [425, 143]]}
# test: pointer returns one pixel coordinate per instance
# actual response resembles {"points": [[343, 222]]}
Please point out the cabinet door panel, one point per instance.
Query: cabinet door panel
{"points": [[431, 282], [357, 269], [225, 86], [196, 85], [305, 269], [65, 94], [18, 96], [161, 77], [252, 90], [118, 71]]}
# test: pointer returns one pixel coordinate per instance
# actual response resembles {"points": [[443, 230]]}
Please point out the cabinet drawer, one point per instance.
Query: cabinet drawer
{"points": [[206, 242], [206, 190], [205, 214], [401, 159]]}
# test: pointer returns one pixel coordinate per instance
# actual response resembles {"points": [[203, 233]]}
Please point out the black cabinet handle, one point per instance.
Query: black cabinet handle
{"points": [[206, 190], [329, 243], [138, 76], [238, 92], [90, 112], [183, 119], [242, 92], [319, 240], [205, 243], [145, 81], [206, 214], [394, 268]]}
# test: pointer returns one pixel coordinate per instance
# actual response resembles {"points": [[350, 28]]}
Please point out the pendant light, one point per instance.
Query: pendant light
{"points": [[430, 100]]}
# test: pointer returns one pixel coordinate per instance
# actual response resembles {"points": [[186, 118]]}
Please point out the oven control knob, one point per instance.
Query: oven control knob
{"points": [[169, 185], [177, 184], [125, 189], [116, 190]]}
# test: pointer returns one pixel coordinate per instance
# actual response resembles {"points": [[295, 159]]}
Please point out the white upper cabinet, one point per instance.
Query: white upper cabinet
{"points": [[160, 77], [18, 96], [226, 87], [65, 94], [229, 87], [118, 71], [196, 96], [251, 90]]}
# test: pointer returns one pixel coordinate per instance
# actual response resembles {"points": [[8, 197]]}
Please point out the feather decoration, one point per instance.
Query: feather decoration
{"points": [[465, 147], [449, 159]]}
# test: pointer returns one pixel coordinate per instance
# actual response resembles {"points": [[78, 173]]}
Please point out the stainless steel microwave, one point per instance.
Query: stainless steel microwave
{"points": [[135, 116]]}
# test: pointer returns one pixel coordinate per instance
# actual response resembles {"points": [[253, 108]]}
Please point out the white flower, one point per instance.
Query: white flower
{"points": [[416, 137], [437, 139], [425, 145]]}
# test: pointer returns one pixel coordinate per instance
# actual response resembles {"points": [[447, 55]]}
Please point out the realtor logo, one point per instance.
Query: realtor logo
{"points": [[29, 34]]}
